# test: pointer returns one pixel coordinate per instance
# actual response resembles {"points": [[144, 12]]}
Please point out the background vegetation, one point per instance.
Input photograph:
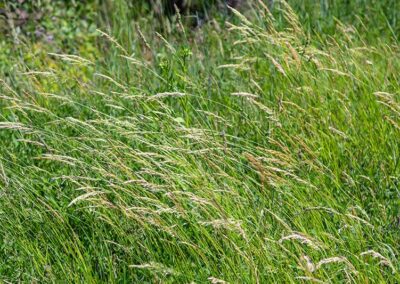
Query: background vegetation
{"points": [[212, 145]]}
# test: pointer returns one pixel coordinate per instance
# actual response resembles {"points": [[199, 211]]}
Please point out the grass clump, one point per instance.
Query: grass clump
{"points": [[249, 152]]}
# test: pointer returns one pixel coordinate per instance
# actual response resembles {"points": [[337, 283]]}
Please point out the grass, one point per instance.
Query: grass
{"points": [[254, 151]]}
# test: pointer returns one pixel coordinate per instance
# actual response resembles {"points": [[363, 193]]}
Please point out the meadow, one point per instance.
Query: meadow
{"points": [[262, 146]]}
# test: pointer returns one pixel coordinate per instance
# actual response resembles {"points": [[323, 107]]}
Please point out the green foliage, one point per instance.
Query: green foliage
{"points": [[377, 19], [264, 150]]}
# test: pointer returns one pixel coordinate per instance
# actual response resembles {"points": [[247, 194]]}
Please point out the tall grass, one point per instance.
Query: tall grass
{"points": [[250, 152]]}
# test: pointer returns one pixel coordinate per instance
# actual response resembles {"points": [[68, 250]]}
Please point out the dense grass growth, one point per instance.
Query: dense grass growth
{"points": [[257, 150]]}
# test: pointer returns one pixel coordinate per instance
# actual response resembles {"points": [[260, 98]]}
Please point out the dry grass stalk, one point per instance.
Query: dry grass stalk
{"points": [[382, 260], [113, 40], [276, 64], [229, 224], [155, 267], [392, 122], [294, 54], [258, 166], [335, 259], [166, 95], [244, 94], [214, 280], [84, 197], [143, 38], [240, 66], [3, 174], [301, 238], [13, 126], [71, 58], [335, 71], [307, 263], [170, 47], [111, 80], [310, 279], [338, 132], [262, 107], [60, 158], [360, 220]]}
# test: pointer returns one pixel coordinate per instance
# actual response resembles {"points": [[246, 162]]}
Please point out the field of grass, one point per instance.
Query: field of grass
{"points": [[260, 147]]}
